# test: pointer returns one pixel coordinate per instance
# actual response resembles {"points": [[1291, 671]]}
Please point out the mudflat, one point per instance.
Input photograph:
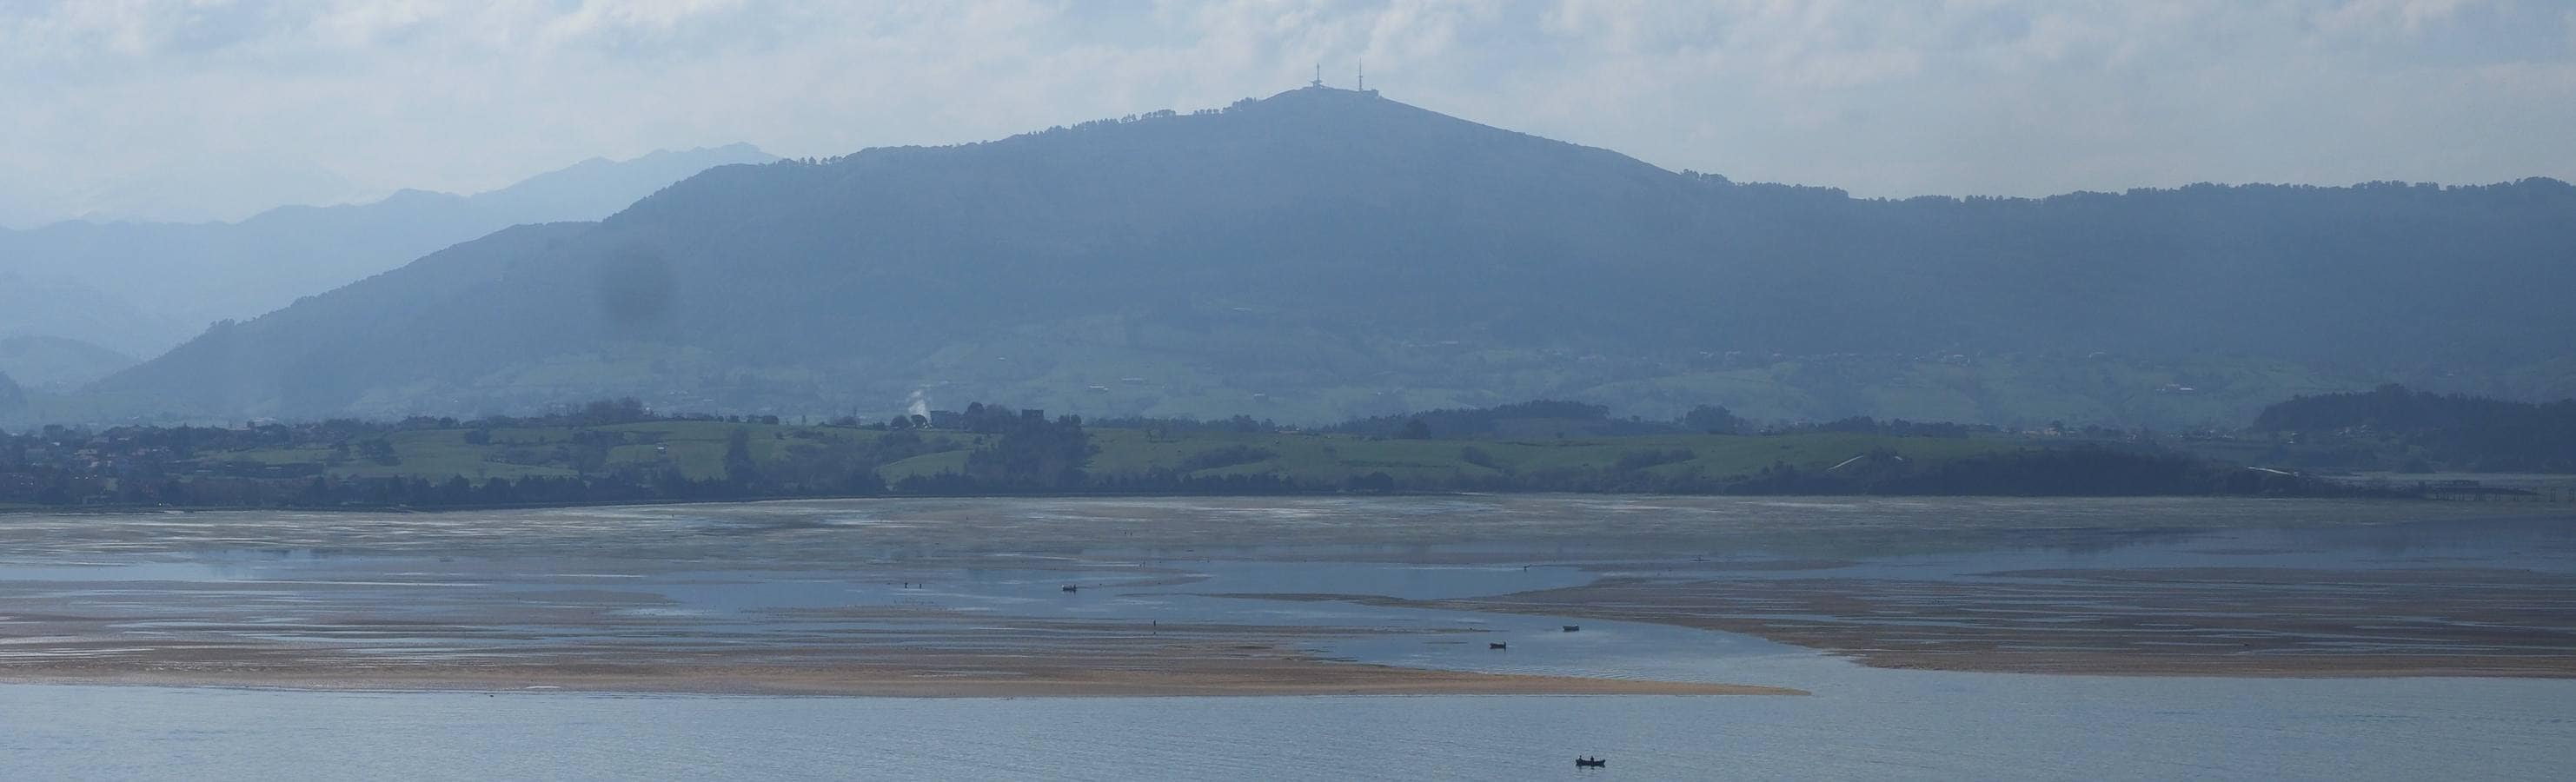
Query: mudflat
{"points": [[2151, 621], [961, 679], [1002, 597], [916, 654]]}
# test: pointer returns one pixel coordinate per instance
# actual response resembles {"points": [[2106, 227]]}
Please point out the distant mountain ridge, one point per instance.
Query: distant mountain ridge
{"points": [[178, 277], [1324, 254], [58, 363], [36, 306]]}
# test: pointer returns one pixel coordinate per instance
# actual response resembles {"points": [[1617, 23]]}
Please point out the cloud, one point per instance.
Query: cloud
{"points": [[1894, 98]]}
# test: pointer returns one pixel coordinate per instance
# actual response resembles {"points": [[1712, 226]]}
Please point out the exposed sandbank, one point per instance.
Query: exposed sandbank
{"points": [[1284, 678], [903, 597], [2209, 621]]}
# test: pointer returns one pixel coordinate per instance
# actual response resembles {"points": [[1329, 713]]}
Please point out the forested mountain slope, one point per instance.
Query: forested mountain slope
{"points": [[1325, 253]]}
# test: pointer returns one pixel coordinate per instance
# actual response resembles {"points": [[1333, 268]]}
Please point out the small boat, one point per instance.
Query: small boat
{"points": [[1591, 762], [1573, 628], [1072, 588], [1497, 645]]}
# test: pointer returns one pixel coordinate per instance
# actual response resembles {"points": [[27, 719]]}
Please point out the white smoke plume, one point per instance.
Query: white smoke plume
{"points": [[918, 403]]}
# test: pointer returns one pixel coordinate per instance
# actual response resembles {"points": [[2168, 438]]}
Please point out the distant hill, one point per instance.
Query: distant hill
{"points": [[1325, 254], [599, 187], [36, 306], [58, 363], [186, 275]]}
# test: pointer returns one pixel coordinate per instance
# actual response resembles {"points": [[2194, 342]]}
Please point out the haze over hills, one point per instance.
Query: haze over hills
{"points": [[56, 363], [38, 306], [200, 189], [141, 288], [11, 397], [1326, 253]]}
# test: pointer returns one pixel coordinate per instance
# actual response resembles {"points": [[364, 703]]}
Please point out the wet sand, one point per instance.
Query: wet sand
{"points": [[2207, 621], [961, 598], [925, 654], [1275, 678]]}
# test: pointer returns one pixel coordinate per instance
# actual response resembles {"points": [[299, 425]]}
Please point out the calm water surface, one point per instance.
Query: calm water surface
{"points": [[1886, 725]]}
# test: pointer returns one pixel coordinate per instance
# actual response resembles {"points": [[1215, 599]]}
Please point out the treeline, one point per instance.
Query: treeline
{"points": [[2074, 471], [1556, 416], [1900, 427], [132, 467], [1018, 451], [1239, 423], [1542, 417], [58, 488], [2438, 431], [1545, 417], [595, 454], [2094, 471]]}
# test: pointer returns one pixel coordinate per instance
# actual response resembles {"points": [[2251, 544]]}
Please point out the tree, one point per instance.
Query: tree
{"points": [[1415, 429], [740, 469], [11, 397], [613, 411], [1374, 481], [1713, 419], [1033, 453], [318, 492], [379, 450]]}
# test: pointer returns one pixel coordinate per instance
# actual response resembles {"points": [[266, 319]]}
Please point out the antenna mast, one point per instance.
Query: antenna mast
{"points": [[1363, 76], [1319, 76]]}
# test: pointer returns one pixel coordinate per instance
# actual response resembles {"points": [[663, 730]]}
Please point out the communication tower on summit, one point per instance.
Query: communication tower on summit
{"points": [[1319, 76], [1363, 85]]}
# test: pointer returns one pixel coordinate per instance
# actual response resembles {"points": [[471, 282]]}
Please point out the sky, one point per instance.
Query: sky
{"points": [[208, 109]]}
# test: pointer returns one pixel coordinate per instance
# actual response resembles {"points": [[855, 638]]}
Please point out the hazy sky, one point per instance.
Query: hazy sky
{"points": [[206, 108]]}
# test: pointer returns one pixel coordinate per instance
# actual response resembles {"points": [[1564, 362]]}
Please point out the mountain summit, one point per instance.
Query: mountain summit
{"points": [[1324, 253]]}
